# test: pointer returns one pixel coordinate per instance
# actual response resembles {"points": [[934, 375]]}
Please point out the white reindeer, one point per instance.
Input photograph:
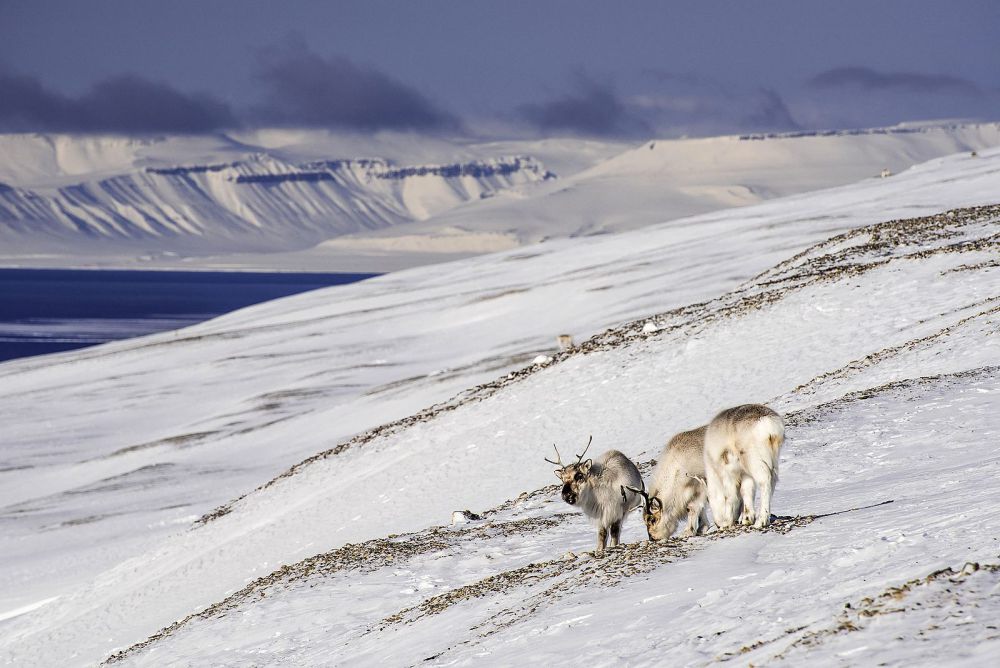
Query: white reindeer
{"points": [[741, 453], [596, 487], [677, 487]]}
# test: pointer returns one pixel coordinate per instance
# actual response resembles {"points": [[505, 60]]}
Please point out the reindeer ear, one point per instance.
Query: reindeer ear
{"points": [[655, 504], [558, 473], [585, 466]]}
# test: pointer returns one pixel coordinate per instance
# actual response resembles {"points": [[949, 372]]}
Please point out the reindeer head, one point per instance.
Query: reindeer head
{"points": [[573, 476], [652, 514]]}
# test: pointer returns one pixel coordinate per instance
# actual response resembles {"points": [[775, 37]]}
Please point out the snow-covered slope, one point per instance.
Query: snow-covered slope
{"points": [[664, 180], [876, 344], [257, 202], [304, 200]]}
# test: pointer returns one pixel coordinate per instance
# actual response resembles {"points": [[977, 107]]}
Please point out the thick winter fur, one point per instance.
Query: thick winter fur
{"points": [[595, 487], [742, 445], [678, 487]]}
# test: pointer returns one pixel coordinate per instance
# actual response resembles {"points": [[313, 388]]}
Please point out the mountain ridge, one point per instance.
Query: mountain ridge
{"points": [[289, 203]]}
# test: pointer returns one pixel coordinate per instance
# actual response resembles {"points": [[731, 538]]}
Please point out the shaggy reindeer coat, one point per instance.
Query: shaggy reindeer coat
{"points": [[595, 487], [678, 487], [742, 445]]}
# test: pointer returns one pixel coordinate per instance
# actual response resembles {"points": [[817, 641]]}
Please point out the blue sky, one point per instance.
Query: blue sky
{"points": [[588, 68]]}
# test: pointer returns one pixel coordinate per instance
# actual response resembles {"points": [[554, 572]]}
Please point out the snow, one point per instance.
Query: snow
{"points": [[116, 202], [669, 179], [879, 347]]}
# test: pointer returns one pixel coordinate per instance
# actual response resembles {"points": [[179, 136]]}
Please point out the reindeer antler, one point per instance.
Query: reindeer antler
{"points": [[640, 492], [579, 457], [557, 463]]}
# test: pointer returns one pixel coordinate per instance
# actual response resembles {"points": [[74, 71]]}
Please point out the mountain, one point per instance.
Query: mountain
{"points": [[313, 201], [666, 180], [278, 485], [255, 202]]}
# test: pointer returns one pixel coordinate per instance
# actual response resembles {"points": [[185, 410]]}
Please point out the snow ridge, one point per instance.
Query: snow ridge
{"points": [[255, 203]]}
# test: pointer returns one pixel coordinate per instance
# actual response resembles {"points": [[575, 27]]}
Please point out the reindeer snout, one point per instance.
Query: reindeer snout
{"points": [[568, 495]]}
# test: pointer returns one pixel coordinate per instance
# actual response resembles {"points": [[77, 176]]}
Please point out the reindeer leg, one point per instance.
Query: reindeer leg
{"points": [[695, 501], [692, 521], [616, 532], [602, 539], [703, 519], [723, 490], [748, 516], [766, 481]]}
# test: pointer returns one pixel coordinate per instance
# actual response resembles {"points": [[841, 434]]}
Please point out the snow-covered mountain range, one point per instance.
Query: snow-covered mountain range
{"points": [[321, 202], [276, 486], [257, 202]]}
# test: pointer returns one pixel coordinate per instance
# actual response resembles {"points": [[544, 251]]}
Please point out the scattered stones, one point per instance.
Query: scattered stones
{"points": [[368, 556], [941, 589], [464, 516]]}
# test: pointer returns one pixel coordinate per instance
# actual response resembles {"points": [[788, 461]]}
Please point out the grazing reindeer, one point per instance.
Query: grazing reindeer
{"points": [[678, 487], [741, 453], [596, 487]]}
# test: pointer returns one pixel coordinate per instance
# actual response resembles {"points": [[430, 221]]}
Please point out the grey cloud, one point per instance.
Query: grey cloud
{"points": [[869, 79], [688, 104], [305, 89], [593, 109], [768, 111], [126, 104]]}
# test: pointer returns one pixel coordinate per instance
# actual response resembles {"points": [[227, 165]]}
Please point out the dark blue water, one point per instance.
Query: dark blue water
{"points": [[50, 310]]}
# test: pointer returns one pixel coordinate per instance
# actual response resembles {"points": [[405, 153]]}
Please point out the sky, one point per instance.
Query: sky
{"points": [[623, 69]]}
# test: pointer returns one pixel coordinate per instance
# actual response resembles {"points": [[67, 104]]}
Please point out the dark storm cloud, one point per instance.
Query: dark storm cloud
{"points": [[129, 103], [869, 79], [768, 111], [689, 104], [126, 104], [25, 104], [304, 89], [592, 109]]}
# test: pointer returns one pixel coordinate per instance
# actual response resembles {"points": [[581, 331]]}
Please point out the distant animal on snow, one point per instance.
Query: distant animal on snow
{"points": [[595, 487], [677, 488], [742, 445]]}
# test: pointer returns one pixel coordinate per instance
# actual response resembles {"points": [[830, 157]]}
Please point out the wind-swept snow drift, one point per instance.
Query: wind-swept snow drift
{"points": [[411, 396]]}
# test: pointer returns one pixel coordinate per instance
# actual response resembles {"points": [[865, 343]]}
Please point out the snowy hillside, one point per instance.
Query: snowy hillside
{"points": [[321, 202], [660, 181], [876, 339], [255, 202], [169, 201]]}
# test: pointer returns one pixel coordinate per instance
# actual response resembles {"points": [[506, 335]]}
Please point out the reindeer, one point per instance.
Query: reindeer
{"points": [[741, 453], [595, 486], [678, 487]]}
